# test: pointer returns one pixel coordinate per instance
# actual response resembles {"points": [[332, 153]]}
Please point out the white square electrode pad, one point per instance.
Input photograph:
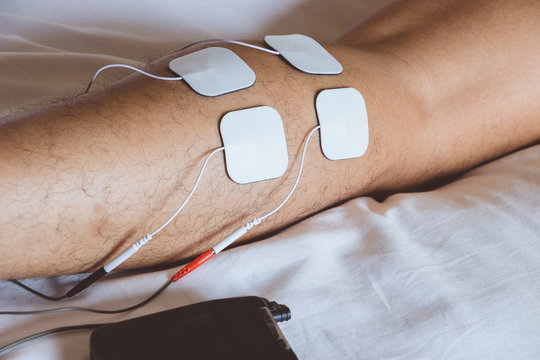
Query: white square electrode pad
{"points": [[344, 123], [213, 71], [255, 145], [305, 54]]}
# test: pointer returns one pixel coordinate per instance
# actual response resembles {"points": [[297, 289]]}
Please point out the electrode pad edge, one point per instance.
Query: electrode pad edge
{"points": [[255, 144], [344, 124], [305, 54], [213, 71]]}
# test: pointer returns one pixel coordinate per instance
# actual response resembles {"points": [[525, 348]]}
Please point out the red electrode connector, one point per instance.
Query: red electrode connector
{"points": [[207, 255], [204, 257]]}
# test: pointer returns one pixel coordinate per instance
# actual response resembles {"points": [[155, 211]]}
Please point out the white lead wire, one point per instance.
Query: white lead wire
{"points": [[131, 68], [252, 46], [223, 244], [191, 193], [241, 43], [137, 70], [185, 47], [145, 239], [297, 178]]}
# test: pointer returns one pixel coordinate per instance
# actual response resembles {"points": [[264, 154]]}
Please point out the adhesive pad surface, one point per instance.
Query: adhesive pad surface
{"points": [[305, 54], [213, 71], [255, 145], [344, 123]]}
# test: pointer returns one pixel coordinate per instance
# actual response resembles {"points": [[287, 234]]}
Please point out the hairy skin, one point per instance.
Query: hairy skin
{"points": [[448, 85]]}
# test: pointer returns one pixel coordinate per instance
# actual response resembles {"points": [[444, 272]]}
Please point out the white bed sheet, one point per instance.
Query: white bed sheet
{"points": [[445, 274], [51, 50]]}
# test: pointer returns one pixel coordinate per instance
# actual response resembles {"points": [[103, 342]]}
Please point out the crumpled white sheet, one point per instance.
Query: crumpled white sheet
{"points": [[445, 274], [49, 51]]}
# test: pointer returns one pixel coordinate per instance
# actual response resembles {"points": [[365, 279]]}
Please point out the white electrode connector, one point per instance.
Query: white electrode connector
{"points": [[128, 253]]}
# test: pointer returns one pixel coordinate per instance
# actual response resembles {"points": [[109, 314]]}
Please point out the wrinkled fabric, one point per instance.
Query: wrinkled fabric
{"points": [[49, 51], [445, 274], [450, 273]]}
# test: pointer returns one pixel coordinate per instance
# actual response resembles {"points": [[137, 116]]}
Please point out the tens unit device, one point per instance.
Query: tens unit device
{"points": [[235, 328]]}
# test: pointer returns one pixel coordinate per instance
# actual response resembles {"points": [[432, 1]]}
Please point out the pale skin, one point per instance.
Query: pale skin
{"points": [[448, 85]]}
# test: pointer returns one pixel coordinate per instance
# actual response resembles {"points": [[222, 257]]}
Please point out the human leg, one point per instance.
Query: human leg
{"points": [[84, 179]]}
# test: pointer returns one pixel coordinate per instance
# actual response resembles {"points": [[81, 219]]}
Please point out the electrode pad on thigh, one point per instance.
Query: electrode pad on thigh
{"points": [[255, 145], [344, 123], [213, 71], [305, 54]]}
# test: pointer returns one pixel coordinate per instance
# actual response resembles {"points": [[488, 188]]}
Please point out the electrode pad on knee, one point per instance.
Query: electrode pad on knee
{"points": [[344, 123], [305, 54], [255, 145], [213, 71]]}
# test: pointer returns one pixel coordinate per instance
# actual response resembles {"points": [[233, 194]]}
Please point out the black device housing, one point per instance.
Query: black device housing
{"points": [[234, 328]]}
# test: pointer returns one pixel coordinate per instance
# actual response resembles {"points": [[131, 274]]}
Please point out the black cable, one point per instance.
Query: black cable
{"points": [[80, 286], [96, 311], [8, 347], [35, 292]]}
